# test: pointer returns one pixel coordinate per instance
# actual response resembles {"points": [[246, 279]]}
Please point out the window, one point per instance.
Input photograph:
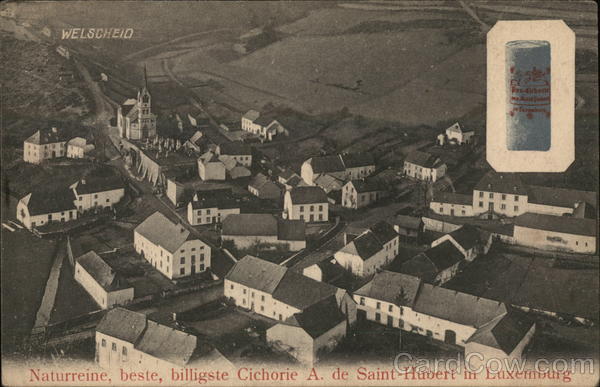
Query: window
{"points": [[377, 316], [182, 260], [80, 198], [390, 308], [378, 305], [463, 212], [429, 333], [252, 295], [516, 198], [231, 287], [208, 212], [104, 342], [193, 249], [516, 208], [262, 308], [95, 196], [480, 194], [321, 207], [401, 311], [244, 291], [182, 271], [301, 208], [124, 351], [193, 258], [320, 216], [480, 204], [262, 298], [280, 317], [312, 208], [503, 197], [183, 250], [114, 346], [503, 206], [107, 200], [491, 195], [362, 300], [202, 257]]}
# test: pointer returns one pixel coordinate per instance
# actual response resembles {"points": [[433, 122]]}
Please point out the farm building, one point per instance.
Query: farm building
{"points": [[210, 207], [78, 148], [358, 193], [263, 188], [437, 265], [247, 230], [424, 166], [306, 203], [342, 166], [263, 126], [43, 206], [408, 227], [452, 204], [45, 144], [98, 192], [457, 135], [236, 150]]}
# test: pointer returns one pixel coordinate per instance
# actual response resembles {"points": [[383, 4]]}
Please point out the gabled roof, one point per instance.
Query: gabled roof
{"points": [[507, 183], [368, 185], [504, 332], [50, 200], [327, 182], [250, 225], [326, 164], [396, 288], [461, 308], [384, 232], [299, 291], [319, 318], [257, 274], [410, 222], [467, 236], [166, 343], [101, 272], [560, 197], [251, 115], [562, 224], [356, 160], [365, 246], [452, 198], [47, 136], [122, 324], [456, 128], [90, 185], [422, 159], [235, 148], [308, 195], [215, 201], [291, 230], [428, 264], [79, 142], [158, 229]]}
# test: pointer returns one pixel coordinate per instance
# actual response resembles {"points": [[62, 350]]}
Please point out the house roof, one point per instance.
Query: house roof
{"points": [[365, 246], [461, 308], [326, 164], [251, 115], [507, 183], [256, 274], [264, 120], [384, 231], [422, 159], [328, 182], [308, 195], [291, 230], [455, 128], [215, 201], [409, 222], [238, 171], [299, 291], [47, 136], [90, 184], [50, 200], [79, 142], [428, 264], [166, 343], [368, 185], [467, 236], [122, 324], [356, 160], [452, 198], [258, 181], [504, 332], [158, 229], [101, 272], [250, 224], [235, 148], [560, 197], [562, 224], [319, 318], [388, 286]]}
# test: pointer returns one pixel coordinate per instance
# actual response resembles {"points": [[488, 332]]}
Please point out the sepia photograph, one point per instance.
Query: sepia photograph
{"points": [[293, 193]]}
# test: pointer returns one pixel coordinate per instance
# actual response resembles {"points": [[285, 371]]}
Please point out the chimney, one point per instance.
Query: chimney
{"points": [[83, 180], [54, 129]]}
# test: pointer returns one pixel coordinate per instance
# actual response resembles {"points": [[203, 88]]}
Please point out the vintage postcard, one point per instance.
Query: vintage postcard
{"points": [[305, 193]]}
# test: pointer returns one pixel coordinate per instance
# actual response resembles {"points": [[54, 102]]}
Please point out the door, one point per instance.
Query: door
{"points": [[452, 212], [491, 207], [193, 269], [390, 321], [450, 337], [361, 314]]}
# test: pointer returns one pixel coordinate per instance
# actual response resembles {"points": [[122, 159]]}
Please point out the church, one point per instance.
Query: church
{"points": [[135, 119]]}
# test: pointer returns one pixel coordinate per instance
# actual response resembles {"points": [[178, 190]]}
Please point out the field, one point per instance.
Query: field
{"points": [[26, 262]]}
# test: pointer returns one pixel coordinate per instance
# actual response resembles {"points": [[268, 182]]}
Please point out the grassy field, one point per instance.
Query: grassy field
{"points": [[26, 262]]}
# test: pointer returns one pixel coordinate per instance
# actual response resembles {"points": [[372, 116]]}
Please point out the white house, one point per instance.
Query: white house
{"points": [[98, 192], [360, 193], [247, 230], [457, 135], [341, 166], [452, 204], [403, 301], [263, 126], [130, 340], [424, 166], [78, 148], [500, 194], [211, 207], [306, 203], [236, 150], [41, 207], [370, 250], [44, 144], [101, 282], [135, 119], [559, 233], [170, 247], [211, 168]]}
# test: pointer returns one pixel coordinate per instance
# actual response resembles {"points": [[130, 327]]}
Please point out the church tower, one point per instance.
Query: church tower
{"points": [[146, 119]]}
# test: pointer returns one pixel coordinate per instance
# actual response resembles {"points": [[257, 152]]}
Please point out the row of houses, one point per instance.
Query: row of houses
{"points": [[50, 143], [42, 206], [342, 167]]}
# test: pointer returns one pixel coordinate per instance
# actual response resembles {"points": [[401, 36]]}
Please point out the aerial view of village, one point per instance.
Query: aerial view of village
{"points": [[234, 191]]}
